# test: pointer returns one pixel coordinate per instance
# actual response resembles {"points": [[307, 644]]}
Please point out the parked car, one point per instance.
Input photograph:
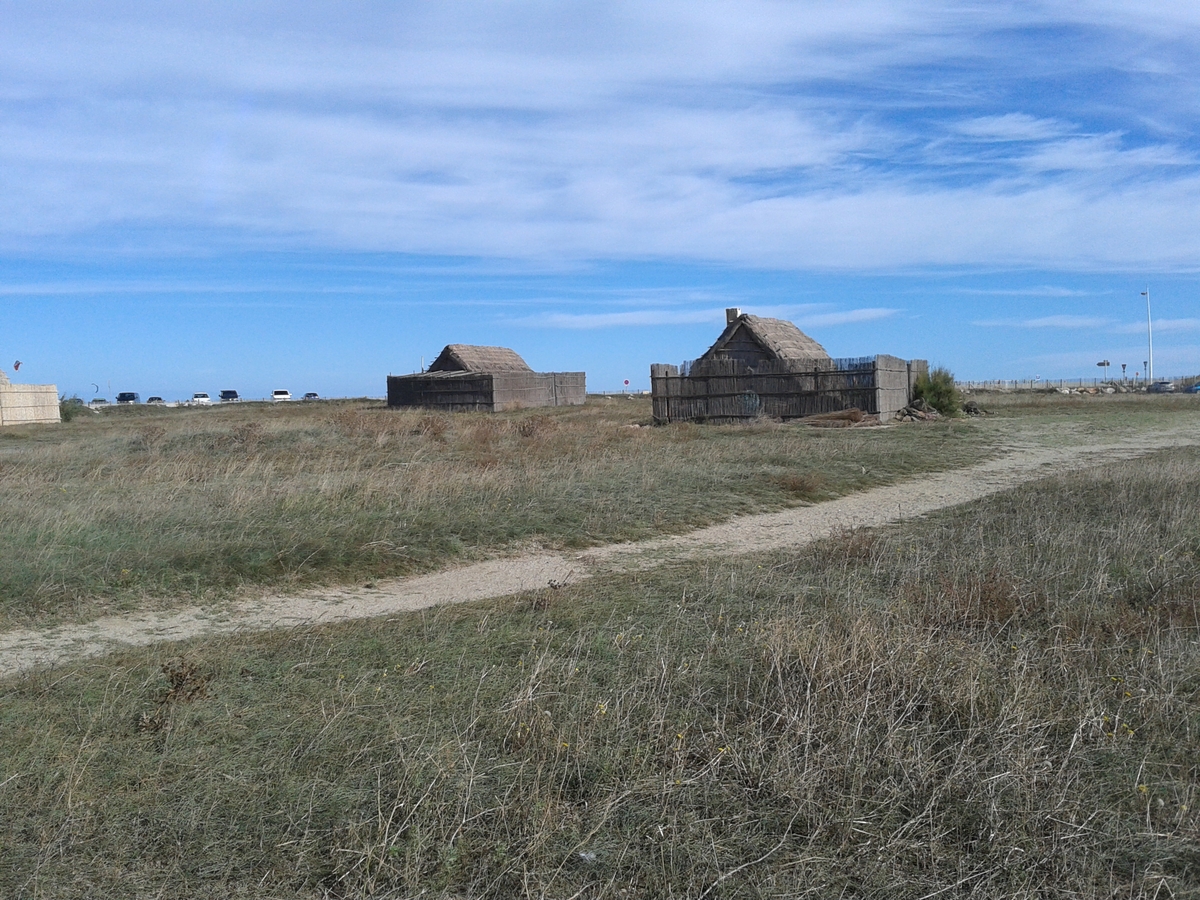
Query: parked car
{"points": [[1194, 389], [311, 395], [229, 397], [201, 399], [98, 401], [128, 397], [155, 401], [281, 395], [1162, 387]]}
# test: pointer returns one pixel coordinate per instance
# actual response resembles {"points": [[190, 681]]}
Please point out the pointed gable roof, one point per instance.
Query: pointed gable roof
{"points": [[778, 337], [470, 358]]}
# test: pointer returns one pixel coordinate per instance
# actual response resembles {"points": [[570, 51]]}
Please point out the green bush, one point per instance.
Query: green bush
{"points": [[70, 407], [938, 390]]}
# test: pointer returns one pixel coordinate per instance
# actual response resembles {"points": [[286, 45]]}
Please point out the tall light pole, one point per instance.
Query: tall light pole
{"points": [[1149, 338]]}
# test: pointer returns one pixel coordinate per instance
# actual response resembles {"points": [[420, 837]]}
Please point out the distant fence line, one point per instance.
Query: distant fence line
{"points": [[1027, 384]]}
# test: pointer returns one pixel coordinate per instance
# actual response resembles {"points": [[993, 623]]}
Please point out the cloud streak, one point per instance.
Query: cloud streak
{"points": [[1058, 321], [857, 135], [804, 316]]}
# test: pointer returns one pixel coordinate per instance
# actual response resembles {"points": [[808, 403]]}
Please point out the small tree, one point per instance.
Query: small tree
{"points": [[939, 391], [70, 407]]}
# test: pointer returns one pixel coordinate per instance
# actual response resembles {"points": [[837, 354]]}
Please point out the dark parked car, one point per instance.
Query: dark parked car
{"points": [[1162, 387], [128, 397], [155, 401], [311, 395], [229, 396]]}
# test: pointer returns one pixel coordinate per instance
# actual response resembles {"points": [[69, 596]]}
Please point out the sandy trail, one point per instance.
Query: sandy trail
{"points": [[25, 649]]}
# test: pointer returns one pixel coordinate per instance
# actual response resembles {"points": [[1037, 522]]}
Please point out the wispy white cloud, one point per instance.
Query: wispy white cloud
{"points": [[858, 134], [802, 315], [1161, 326], [846, 317], [1046, 290], [1011, 127], [1098, 324], [1058, 321], [632, 318]]}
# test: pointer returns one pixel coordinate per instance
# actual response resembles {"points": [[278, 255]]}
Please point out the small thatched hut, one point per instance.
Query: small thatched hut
{"points": [[769, 367], [754, 339], [467, 377], [27, 404]]}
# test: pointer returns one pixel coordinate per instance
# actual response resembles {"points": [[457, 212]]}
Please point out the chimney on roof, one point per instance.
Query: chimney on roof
{"points": [[732, 314]]}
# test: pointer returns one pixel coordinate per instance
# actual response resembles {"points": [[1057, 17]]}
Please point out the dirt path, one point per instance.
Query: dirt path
{"points": [[25, 649]]}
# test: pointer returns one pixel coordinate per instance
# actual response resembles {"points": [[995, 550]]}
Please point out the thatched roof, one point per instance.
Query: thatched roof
{"points": [[3, 377], [778, 337], [469, 358]]}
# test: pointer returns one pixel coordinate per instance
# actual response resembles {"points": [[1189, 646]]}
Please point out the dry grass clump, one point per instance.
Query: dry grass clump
{"points": [[177, 505], [1002, 701]]}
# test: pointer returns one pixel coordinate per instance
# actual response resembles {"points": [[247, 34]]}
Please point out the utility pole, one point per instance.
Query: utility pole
{"points": [[1149, 338]]}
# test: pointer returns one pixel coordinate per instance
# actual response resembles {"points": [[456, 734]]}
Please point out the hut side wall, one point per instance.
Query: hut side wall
{"points": [[459, 392], [28, 404], [529, 390], [723, 391], [490, 392], [917, 369], [893, 388]]}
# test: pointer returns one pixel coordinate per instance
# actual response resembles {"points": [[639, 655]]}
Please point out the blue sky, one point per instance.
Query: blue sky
{"points": [[310, 196]]}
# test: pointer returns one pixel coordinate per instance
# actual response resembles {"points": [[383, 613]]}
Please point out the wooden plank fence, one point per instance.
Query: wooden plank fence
{"points": [[726, 391]]}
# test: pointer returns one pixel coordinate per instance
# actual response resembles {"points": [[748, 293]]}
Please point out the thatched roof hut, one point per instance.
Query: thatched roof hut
{"points": [[753, 339], [473, 358], [769, 367], [467, 377]]}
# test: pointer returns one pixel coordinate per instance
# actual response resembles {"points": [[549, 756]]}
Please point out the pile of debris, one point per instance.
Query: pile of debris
{"points": [[917, 411], [843, 418]]}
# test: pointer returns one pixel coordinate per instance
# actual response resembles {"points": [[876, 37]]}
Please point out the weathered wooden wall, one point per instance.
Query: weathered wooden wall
{"points": [[723, 391], [28, 404], [528, 390], [461, 391]]}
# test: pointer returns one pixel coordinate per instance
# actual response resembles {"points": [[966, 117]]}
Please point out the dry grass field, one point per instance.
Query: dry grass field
{"points": [[143, 506], [1000, 700]]}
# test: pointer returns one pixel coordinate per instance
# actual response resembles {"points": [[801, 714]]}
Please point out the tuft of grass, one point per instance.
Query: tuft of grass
{"points": [[1000, 700]]}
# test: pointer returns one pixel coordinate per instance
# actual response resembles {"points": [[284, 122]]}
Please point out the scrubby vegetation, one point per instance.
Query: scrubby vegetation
{"points": [[1000, 701], [939, 391]]}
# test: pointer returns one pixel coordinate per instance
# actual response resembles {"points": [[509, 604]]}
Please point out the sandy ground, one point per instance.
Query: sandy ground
{"points": [[25, 649]]}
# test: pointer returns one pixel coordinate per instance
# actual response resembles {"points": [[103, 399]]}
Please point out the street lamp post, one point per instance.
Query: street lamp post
{"points": [[1149, 339]]}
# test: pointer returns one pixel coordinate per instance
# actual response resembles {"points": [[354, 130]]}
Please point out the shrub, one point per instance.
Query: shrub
{"points": [[938, 390], [70, 407]]}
